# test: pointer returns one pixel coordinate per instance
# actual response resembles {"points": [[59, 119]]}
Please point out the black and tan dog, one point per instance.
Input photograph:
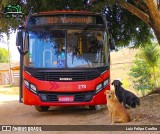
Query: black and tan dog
{"points": [[125, 97]]}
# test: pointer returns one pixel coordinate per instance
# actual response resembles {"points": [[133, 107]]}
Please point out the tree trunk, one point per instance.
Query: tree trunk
{"points": [[137, 12], [152, 18], [157, 33]]}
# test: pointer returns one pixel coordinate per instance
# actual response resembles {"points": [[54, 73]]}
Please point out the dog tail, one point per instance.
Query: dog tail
{"points": [[135, 102], [138, 101]]}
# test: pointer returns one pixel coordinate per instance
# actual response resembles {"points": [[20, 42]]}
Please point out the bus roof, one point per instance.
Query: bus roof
{"points": [[66, 12]]}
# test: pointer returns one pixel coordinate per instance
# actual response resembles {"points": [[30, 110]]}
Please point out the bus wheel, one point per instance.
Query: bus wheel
{"points": [[95, 107], [42, 108]]}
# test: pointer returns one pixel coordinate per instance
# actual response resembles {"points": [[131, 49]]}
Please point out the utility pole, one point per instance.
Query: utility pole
{"points": [[9, 59]]}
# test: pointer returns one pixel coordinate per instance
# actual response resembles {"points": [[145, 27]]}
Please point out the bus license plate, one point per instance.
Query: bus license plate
{"points": [[65, 98]]}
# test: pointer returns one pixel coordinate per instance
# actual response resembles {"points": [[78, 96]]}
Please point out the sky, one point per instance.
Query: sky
{"points": [[12, 46]]}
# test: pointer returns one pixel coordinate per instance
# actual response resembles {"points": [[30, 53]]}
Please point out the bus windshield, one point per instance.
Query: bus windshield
{"points": [[66, 48]]}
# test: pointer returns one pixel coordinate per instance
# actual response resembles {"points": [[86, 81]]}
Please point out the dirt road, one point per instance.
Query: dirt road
{"points": [[14, 113]]}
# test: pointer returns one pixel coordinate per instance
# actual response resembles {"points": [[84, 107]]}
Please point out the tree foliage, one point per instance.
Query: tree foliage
{"points": [[145, 70], [123, 25], [151, 54], [126, 27], [141, 74], [3, 55]]}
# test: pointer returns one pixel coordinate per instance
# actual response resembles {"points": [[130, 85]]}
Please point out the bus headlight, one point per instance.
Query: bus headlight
{"points": [[102, 85], [33, 88], [99, 87], [30, 86], [26, 83], [105, 83]]}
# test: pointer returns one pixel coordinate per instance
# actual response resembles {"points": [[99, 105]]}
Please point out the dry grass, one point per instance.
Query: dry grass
{"points": [[7, 89], [121, 63]]}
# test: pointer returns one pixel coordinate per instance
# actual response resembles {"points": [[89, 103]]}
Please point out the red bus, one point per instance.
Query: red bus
{"points": [[64, 59]]}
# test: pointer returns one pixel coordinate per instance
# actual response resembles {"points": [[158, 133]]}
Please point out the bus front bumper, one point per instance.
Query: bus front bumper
{"points": [[30, 98]]}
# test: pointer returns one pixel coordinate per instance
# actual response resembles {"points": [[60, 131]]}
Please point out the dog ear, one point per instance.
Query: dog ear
{"points": [[112, 83], [106, 92], [120, 83]]}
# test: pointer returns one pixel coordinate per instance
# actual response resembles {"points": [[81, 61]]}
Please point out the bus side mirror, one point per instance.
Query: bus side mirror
{"points": [[19, 37], [112, 44], [19, 41]]}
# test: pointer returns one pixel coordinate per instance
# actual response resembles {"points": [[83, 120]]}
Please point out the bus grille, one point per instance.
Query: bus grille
{"points": [[78, 97], [66, 76]]}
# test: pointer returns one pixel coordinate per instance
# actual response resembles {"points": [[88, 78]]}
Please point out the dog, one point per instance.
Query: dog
{"points": [[125, 97], [117, 113]]}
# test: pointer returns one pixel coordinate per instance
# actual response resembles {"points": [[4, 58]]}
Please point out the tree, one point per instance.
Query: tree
{"points": [[145, 68], [148, 11], [123, 25], [151, 54], [141, 74], [126, 28], [3, 55]]}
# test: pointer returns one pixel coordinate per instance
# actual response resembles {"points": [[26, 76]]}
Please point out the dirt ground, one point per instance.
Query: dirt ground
{"points": [[14, 113]]}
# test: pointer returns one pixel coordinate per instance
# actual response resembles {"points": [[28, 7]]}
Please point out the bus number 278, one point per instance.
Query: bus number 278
{"points": [[82, 86]]}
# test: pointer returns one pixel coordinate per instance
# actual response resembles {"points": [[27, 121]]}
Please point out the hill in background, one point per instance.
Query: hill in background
{"points": [[121, 63]]}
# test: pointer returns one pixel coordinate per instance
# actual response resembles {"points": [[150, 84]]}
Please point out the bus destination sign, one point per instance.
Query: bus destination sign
{"points": [[44, 20]]}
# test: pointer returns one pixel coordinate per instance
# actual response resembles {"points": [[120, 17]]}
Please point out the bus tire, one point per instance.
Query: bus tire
{"points": [[95, 107], [42, 108]]}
